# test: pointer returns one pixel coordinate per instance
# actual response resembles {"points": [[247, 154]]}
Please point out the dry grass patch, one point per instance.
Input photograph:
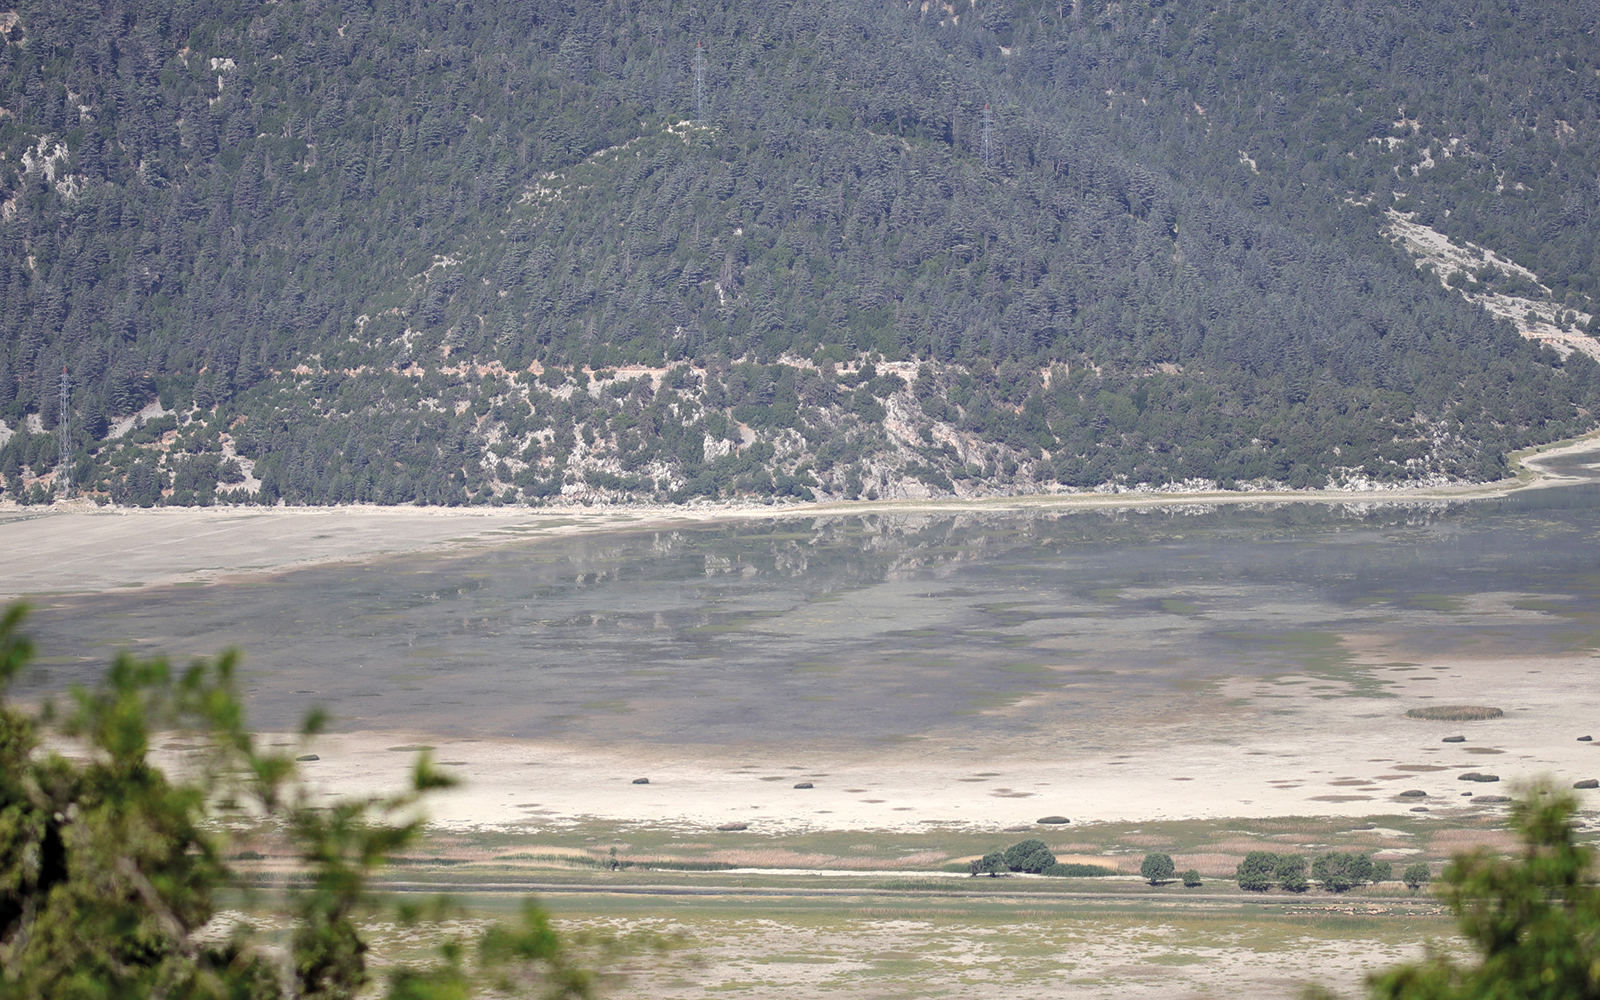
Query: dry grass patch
{"points": [[1241, 846], [1102, 860], [1448, 842], [1210, 865], [544, 850], [1308, 826], [779, 858]]}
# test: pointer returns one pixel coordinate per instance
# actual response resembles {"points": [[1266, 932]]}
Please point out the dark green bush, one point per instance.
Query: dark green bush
{"points": [[1031, 856], [1339, 871], [1157, 868], [1291, 873], [1256, 872], [1416, 875]]}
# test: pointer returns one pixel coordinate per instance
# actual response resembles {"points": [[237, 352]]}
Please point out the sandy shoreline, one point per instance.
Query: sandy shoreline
{"points": [[80, 548]]}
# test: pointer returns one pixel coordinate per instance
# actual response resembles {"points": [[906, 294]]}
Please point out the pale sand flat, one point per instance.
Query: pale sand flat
{"points": [[1299, 755]]}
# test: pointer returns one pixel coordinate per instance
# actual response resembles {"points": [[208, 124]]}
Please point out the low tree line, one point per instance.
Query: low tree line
{"points": [[1334, 871]]}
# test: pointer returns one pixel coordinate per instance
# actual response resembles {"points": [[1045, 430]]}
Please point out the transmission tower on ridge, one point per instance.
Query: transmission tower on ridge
{"points": [[699, 83], [63, 425], [988, 144]]}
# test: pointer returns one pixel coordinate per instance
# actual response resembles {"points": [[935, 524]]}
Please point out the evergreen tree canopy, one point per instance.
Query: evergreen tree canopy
{"points": [[1132, 242]]}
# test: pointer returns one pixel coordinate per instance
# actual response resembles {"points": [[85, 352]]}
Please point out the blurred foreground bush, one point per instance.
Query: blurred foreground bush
{"points": [[110, 868], [1533, 918]]}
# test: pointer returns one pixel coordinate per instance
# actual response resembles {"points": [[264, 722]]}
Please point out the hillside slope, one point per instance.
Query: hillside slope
{"points": [[391, 252]]}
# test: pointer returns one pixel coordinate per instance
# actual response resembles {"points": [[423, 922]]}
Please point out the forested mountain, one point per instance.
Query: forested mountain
{"points": [[397, 251]]}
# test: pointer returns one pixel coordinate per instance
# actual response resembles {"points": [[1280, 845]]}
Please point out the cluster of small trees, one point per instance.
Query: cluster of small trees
{"points": [[1032, 856], [1335, 871]]}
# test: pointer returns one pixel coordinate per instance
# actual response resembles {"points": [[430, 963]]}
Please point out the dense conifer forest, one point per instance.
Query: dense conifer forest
{"points": [[508, 250]]}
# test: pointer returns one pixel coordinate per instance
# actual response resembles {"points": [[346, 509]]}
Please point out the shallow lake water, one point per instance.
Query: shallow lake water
{"points": [[861, 629]]}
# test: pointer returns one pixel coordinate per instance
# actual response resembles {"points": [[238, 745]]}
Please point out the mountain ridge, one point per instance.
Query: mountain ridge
{"points": [[264, 214]]}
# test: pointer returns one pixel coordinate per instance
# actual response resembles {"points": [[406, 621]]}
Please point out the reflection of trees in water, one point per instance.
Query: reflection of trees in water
{"points": [[868, 548]]}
